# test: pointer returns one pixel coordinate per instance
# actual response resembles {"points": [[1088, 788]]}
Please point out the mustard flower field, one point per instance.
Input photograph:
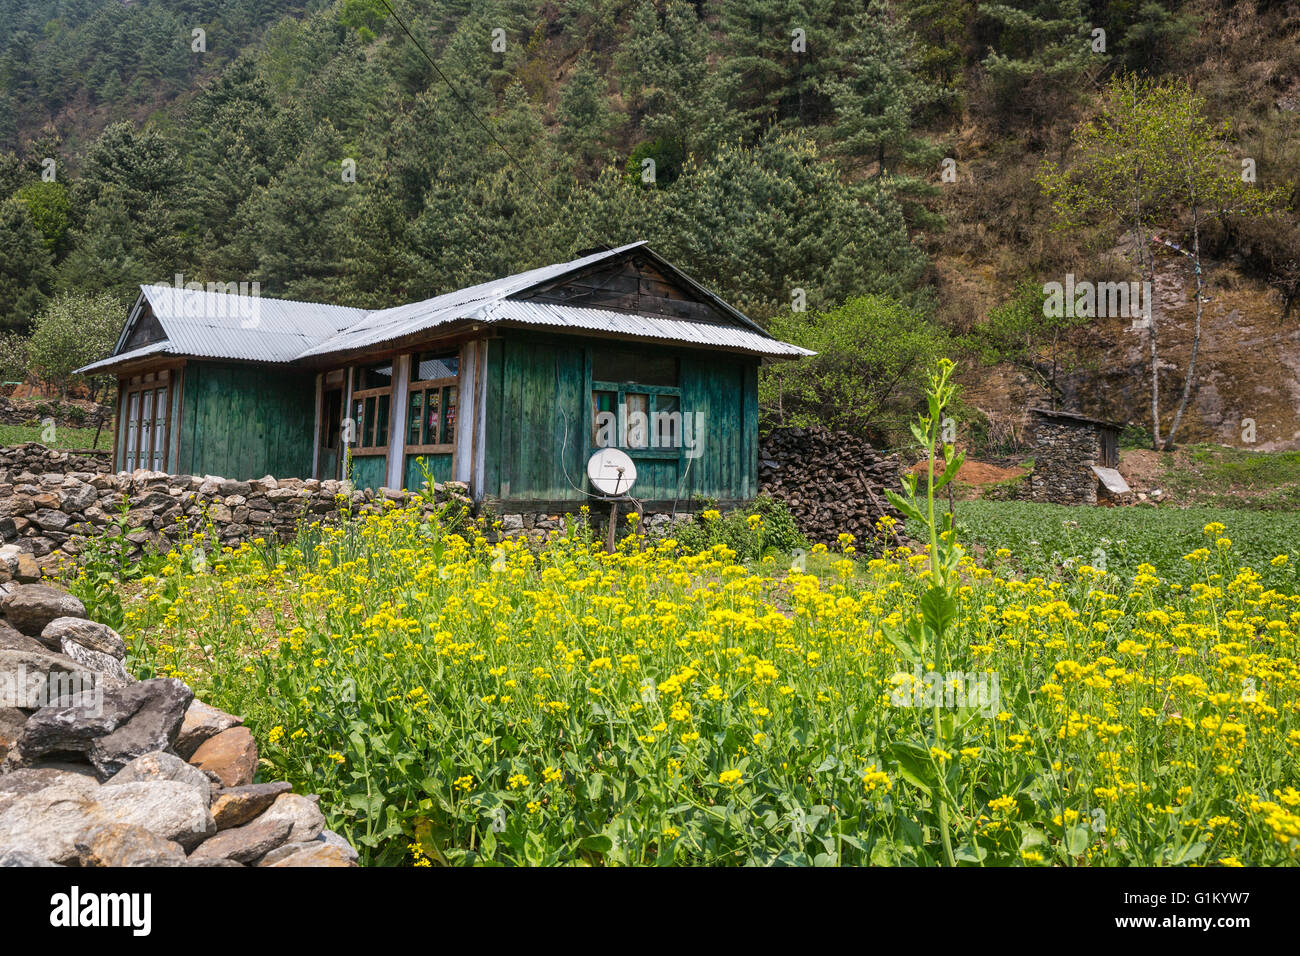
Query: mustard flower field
{"points": [[457, 701]]}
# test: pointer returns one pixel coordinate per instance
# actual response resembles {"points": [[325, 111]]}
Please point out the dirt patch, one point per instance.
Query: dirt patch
{"points": [[1142, 468], [973, 472]]}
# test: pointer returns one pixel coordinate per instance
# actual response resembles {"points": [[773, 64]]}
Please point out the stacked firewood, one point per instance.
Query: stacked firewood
{"points": [[831, 481]]}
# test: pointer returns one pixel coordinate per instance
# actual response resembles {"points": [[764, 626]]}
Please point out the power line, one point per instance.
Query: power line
{"points": [[469, 108]]}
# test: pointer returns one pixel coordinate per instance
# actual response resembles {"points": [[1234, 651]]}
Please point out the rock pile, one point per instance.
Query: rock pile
{"points": [[33, 458], [99, 769], [831, 481], [34, 412], [41, 513]]}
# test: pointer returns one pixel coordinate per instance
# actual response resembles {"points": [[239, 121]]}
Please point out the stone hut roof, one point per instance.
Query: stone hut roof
{"points": [[1075, 416]]}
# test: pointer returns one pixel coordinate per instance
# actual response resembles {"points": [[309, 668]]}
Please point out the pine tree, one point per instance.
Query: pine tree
{"points": [[1038, 51], [876, 104], [25, 266]]}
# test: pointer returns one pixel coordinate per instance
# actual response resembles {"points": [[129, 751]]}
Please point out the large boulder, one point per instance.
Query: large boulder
{"points": [[307, 854], [202, 722], [115, 674], [308, 822], [21, 857], [89, 634], [12, 639], [21, 783], [174, 811], [47, 822], [231, 755], [29, 607], [160, 765], [31, 679], [127, 723], [12, 721]]}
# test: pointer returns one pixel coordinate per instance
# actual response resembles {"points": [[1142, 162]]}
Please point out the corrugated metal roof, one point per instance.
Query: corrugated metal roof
{"points": [[385, 325], [218, 325], [638, 326], [102, 365]]}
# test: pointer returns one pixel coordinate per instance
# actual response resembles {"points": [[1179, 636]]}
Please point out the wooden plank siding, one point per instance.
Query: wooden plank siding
{"points": [[538, 424], [246, 421]]}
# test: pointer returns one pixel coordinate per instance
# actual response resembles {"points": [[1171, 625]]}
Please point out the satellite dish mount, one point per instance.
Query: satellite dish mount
{"points": [[612, 473]]}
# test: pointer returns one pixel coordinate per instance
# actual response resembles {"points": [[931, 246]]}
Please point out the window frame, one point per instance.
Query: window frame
{"points": [[360, 395], [621, 391], [146, 452], [425, 387]]}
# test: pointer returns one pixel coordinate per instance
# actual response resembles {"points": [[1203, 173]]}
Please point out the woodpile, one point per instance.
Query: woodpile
{"points": [[831, 481]]}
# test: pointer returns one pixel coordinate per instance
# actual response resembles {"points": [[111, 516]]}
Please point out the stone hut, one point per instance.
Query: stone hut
{"points": [[1075, 459]]}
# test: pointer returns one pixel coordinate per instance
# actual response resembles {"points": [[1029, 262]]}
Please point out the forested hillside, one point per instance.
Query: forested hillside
{"points": [[872, 179]]}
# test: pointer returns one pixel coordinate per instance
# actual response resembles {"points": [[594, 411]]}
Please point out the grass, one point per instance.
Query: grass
{"points": [[64, 436], [1049, 539], [1227, 477]]}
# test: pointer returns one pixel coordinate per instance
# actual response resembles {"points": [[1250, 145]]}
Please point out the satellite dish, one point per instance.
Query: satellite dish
{"points": [[611, 472]]}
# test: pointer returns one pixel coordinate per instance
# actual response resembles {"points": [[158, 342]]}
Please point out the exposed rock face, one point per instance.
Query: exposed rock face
{"points": [[231, 755], [91, 774]]}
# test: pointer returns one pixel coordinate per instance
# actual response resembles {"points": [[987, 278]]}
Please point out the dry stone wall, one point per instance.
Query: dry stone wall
{"points": [[98, 769], [49, 511]]}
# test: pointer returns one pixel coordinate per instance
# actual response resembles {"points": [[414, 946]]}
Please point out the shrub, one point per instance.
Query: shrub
{"points": [[762, 528]]}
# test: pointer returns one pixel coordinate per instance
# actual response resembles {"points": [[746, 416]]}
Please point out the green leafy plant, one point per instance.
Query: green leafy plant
{"points": [[925, 639]]}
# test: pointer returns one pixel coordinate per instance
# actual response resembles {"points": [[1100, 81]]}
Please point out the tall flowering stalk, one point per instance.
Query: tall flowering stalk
{"points": [[924, 639]]}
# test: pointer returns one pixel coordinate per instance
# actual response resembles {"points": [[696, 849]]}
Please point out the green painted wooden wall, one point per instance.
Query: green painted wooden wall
{"points": [[368, 471], [413, 477], [246, 421], [538, 424]]}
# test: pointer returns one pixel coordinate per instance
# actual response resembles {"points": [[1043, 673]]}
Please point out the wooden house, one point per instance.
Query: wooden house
{"points": [[508, 386]]}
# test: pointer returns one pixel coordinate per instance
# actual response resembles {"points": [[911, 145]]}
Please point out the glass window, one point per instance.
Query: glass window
{"points": [[638, 420], [372, 376], [635, 400], [147, 411], [431, 366], [603, 425], [414, 418], [632, 366]]}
